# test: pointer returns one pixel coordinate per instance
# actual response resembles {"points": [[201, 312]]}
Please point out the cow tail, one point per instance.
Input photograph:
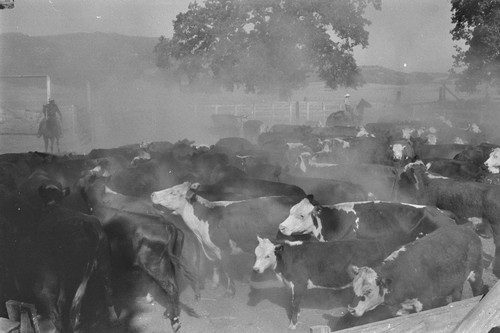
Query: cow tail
{"points": [[76, 304], [174, 251]]}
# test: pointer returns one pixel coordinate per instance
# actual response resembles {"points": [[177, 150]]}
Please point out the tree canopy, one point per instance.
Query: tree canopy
{"points": [[264, 45], [477, 23]]}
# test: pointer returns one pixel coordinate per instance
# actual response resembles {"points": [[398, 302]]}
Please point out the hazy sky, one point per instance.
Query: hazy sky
{"points": [[415, 32]]}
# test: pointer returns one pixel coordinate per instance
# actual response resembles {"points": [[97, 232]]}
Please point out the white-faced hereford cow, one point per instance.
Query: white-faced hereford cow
{"points": [[477, 202], [306, 265], [423, 274], [225, 227], [364, 220]]}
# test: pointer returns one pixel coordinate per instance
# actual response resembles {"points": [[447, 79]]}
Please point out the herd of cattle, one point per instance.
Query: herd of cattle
{"points": [[393, 210]]}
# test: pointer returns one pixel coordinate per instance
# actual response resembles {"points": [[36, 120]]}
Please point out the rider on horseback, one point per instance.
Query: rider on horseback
{"points": [[50, 112]]}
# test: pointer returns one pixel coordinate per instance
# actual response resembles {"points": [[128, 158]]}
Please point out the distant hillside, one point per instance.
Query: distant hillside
{"points": [[72, 59]]}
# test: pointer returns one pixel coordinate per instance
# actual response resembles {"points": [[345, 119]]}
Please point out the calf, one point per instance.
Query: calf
{"points": [[305, 265], [366, 220], [421, 275], [477, 202]]}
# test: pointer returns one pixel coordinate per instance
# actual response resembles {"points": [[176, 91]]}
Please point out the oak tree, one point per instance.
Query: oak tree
{"points": [[266, 45], [477, 24]]}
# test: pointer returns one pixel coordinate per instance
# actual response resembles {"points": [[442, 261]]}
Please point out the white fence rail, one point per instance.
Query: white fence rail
{"points": [[279, 112]]}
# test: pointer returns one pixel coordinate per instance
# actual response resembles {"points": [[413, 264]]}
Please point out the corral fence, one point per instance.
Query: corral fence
{"points": [[277, 112], [316, 112]]}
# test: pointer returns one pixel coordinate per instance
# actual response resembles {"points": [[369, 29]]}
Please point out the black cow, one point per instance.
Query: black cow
{"points": [[305, 265], [328, 191], [246, 188], [474, 201], [379, 180], [55, 251], [140, 237], [456, 169], [426, 151]]}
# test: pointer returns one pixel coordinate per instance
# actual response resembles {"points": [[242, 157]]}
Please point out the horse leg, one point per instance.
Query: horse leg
{"points": [[57, 142], [46, 141]]}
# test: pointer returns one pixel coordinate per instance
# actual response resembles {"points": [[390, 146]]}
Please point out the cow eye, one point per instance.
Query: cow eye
{"points": [[301, 216], [267, 257]]}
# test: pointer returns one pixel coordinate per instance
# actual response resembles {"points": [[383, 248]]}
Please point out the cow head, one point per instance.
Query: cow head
{"points": [[402, 151], [411, 181], [303, 218], [176, 197], [493, 162], [369, 290], [52, 194], [264, 256]]}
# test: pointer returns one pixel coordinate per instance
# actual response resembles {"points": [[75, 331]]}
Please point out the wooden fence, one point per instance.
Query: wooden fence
{"points": [[278, 112]]}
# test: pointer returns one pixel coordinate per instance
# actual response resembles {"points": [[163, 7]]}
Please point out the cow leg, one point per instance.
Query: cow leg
{"points": [[230, 288], [496, 238], [104, 274], [297, 292], [216, 275], [49, 296], [475, 279], [165, 279], [457, 294]]}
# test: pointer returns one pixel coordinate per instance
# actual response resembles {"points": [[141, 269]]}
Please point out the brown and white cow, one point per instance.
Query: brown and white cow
{"points": [[421, 275], [225, 227], [366, 220], [468, 200], [307, 265]]}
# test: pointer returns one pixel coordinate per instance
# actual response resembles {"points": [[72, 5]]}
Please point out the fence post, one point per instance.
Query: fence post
{"points": [[297, 112]]}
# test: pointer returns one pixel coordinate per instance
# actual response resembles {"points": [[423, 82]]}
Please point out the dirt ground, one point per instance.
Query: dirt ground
{"points": [[258, 306]]}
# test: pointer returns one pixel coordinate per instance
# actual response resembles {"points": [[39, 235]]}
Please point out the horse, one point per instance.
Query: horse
{"points": [[346, 118], [49, 129]]}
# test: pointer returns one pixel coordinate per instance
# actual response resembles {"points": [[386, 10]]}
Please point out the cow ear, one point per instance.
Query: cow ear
{"points": [[310, 197], [259, 239], [190, 195], [278, 249], [317, 210], [66, 191], [383, 282], [195, 186], [352, 271]]}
